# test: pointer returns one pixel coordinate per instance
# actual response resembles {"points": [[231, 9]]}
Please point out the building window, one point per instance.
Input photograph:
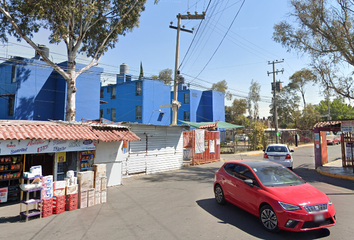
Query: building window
{"points": [[108, 90], [13, 74], [11, 105], [113, 115], [108, 111], [139, 89], [101, 93], [186, 98], [114, 91], [138, 112], [186, 116]]}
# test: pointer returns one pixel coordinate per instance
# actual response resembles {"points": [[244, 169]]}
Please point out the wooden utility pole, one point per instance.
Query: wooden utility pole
{"points": [[275, 97], [175, 103]]}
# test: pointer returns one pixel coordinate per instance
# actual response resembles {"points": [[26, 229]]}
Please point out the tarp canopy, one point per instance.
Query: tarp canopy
{"points": [[220, 124]]}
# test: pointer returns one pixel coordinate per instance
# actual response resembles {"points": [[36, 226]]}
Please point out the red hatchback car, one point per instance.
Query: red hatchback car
{"points": [[276, 195]]}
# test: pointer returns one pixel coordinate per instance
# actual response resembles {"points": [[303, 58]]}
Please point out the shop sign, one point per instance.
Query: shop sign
{"points": [[13, 147], [347, 126], [3, 195]]}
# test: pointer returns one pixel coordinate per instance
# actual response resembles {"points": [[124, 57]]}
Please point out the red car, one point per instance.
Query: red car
{"points": [[332, 140], [276, 195]]}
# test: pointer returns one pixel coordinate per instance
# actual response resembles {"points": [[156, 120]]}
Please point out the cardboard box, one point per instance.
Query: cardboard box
{"points": [[59, 192], [91, 197], [85, 180], [97, 184], [103, 183], [83, 199], [47, 187], [100, 170], [36, 170], [59, 184], [103, 196], [97, 197], [72, 189]]}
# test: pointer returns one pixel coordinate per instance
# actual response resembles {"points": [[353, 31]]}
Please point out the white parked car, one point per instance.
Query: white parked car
{"points": [[279, 153], [242, 137]]}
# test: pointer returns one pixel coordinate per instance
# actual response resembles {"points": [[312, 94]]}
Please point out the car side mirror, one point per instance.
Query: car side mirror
{"points": [[249, 182]]}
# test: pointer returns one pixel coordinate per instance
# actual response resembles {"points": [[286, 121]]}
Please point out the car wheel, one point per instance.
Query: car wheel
{"points": [[291, 168], [219, 195], [268, 219]]}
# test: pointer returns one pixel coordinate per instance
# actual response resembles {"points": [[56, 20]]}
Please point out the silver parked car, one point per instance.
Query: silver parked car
{"points": [[279, 153]]}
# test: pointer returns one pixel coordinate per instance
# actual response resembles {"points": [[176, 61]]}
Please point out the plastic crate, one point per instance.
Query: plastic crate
{"points": [[71, 207], [47, 212], [58, 210], [72, 197], [59, 202]]}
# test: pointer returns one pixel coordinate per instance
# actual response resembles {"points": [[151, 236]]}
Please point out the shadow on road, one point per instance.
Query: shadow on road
{"points": [[229, 214], [312, 176], [201, 174]]}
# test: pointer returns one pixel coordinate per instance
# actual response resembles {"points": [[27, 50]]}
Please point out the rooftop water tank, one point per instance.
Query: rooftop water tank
{"points": [[124, 68], [44, 50]]}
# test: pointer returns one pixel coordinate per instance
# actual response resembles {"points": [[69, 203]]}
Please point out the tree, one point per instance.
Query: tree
{"points": [[253, 99], [299, 80], [165, 75], [325, 32], [287, 108], [141, 74], [308, 118], [221, 86], [90, 27], [257, 138], [235, 113], [338, 109]]}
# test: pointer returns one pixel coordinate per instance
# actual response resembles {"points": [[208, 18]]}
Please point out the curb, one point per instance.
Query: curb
{"points": [[334, 175]]}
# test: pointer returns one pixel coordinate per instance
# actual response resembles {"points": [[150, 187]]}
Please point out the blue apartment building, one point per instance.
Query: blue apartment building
{"points": [[145, 100], [31, 90]]}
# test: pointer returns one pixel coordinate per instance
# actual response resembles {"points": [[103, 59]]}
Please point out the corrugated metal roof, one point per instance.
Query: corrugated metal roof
{"points": [[20, 130]]}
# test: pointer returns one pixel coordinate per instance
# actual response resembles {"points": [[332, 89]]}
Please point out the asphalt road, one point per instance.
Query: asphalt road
{"points": [[180, 205]]}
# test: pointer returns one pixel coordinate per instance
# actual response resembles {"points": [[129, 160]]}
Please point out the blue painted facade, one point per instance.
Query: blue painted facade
{"points": [[136, 101], [31, 90], [200, 106], [140, 100]]}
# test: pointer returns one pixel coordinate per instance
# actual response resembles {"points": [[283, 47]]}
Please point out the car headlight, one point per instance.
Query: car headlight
{"points": [[289, 207]]}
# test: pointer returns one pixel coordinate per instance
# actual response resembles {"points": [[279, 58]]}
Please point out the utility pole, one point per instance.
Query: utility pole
{"points": [[275, 97], [175, 103]]}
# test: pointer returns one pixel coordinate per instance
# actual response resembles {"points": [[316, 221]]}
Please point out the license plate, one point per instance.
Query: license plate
{"points": [[318, 218], [276, 158]]}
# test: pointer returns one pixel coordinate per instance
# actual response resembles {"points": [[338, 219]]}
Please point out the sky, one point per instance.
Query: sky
{"points": [[233, 43]]}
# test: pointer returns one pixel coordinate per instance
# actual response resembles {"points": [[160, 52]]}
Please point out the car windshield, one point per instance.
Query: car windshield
{"points": [[277, 149], [277, 176]]}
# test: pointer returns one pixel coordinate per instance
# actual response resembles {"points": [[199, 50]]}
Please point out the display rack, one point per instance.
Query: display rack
{"points": [[27, 201], [86, 160], [10, 172]]}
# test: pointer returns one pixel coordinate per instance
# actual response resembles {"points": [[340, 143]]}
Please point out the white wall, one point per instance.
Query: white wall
{"points": [[111, 154]]}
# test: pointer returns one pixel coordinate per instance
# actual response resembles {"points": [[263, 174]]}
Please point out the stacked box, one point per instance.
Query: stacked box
{"points": [[103, 183], [58, 204], [83, 199], [97, 197], [100, 170], [85, 180], [59, 188], [72, 189], [98, 184], [104, 196], [47, 186], [71, 202], [91, 197], [47, 207]]}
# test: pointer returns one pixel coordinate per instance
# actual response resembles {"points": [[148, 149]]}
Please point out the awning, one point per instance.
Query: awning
{"points": [[219, 124], [46, 130]]}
